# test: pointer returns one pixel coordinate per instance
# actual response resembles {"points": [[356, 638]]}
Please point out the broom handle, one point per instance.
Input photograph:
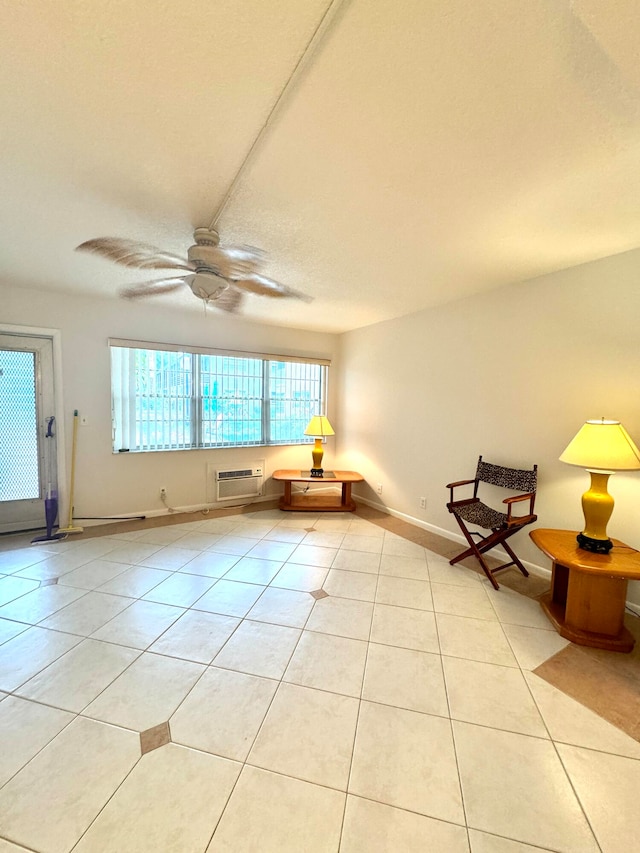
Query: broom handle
{"points": [[73, 465]]}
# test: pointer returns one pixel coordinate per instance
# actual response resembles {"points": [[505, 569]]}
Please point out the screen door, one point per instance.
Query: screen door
{"points": [[26, 457]]}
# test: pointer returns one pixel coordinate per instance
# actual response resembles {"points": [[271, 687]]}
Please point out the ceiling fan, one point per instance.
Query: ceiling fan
{"points": [[219, 275]]}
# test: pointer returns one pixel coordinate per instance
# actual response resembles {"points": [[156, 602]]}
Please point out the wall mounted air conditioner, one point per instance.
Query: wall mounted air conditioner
{"points": [[232, 484]]}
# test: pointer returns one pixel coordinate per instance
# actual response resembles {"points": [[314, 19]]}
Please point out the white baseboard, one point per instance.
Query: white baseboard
{"points": [[534, 568]]}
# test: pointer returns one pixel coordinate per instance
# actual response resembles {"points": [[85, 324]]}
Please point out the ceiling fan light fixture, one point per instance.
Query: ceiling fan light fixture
{"points": [[206, 285]]}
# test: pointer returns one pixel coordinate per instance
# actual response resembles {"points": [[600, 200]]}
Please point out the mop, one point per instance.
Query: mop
{"points": [[51, 494], [70, 528]]}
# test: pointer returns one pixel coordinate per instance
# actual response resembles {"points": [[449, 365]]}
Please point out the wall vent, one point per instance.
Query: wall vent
{"points": [[233, 484]]}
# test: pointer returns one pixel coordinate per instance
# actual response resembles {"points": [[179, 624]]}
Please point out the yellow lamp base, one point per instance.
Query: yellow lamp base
{"points": [[317, 453], [597, 506]]}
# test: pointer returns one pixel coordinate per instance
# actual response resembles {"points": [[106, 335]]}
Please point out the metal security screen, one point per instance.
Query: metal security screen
{"points": [[177, 399], [294, 391], [232, 401], [163, 387], [19, 475]]}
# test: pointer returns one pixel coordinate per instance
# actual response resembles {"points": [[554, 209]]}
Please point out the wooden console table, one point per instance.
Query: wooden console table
{"points": [[307, 501], [588, 591]]}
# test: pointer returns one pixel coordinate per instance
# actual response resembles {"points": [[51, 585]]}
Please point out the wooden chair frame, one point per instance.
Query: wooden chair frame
{"points": [[501, 525]]}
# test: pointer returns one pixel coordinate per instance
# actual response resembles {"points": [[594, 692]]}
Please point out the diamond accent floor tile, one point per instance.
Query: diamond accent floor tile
{"points": [[318, 594], [155, 737]]}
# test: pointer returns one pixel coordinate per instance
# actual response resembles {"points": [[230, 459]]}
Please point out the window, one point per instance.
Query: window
{"points": [[177, 398]]}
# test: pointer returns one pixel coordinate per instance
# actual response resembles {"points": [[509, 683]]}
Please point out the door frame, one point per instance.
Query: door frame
{"points": [[55, 335]]}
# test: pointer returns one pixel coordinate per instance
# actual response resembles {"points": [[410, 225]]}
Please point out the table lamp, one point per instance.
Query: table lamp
{"points": [[318, 427], [602, 447]]}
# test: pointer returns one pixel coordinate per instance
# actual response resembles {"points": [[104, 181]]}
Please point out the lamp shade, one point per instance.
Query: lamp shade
{"points": [[319, 426], [602, 445]]}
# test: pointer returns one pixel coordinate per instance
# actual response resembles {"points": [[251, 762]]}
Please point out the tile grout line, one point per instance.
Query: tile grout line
{"points": [[360, 700], [451, 728]]}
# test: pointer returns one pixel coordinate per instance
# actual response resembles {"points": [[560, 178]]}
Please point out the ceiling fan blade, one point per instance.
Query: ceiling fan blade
{"points": [[230, 300], [244, 252], [130, 253], [152, 288], [263, 286]]}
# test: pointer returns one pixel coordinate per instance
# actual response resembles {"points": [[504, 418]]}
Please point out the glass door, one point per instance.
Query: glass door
{"points": [[27, 456]]}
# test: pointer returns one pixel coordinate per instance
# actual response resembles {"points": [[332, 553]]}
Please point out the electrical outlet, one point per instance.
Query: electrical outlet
{"points": [[84, 420], [379, 488], [423, 503], [163, 492]]}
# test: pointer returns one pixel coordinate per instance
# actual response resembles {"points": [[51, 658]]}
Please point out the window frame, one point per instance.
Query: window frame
{"points": [[125, 399]]}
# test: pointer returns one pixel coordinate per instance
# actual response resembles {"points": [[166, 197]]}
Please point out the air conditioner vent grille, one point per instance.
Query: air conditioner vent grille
{"points": [[230, 475], [239, 483]]}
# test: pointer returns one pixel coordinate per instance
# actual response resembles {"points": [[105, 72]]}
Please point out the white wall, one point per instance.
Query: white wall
{"points": [[512, 375], [108, 484]]}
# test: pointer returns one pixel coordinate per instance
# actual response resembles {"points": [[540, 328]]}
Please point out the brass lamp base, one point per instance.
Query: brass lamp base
{"points": [[596, 546]]}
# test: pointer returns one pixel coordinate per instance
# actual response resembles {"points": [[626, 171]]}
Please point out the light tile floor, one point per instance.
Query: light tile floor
{"points": [[397, 713]]}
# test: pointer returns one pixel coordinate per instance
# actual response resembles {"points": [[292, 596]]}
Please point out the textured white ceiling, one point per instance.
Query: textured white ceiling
{"points": [[429, 149]]}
